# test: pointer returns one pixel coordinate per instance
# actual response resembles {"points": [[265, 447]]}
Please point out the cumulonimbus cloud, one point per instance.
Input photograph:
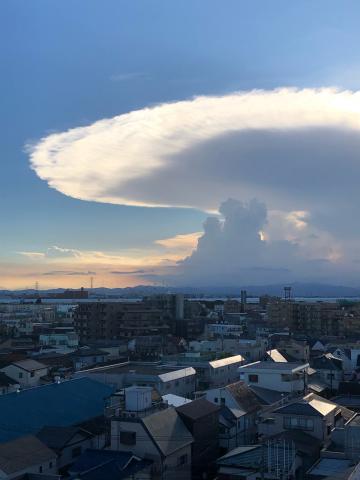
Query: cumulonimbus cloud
{"points": [[276, 145]]}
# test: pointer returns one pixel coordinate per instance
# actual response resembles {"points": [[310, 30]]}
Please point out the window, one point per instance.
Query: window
{"points": [[222, 400], [298, 423], [20, 375], [253, 378], [183, 460], [50, 464], [32, 374], [40, 469], [216, 400], [285, 377], [128, 438], [76, 452], [330, 376]]}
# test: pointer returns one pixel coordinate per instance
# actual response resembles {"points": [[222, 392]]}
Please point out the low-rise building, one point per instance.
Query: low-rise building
{"points": [[210, 372], [26, 455], [201, 418], [311, 414], [283, 377], [70, 442], [160, 436], [27, 373], [164, 378], [238, 414]]}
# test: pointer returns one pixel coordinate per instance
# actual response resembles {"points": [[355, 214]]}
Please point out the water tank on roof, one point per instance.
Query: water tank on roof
{"points": [[137, 399]]}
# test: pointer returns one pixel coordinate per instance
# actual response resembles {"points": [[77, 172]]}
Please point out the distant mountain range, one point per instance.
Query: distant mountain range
{"points": [[298, 290]]}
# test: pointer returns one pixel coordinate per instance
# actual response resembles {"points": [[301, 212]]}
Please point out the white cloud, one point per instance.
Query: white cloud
{"points": [[296, 150], [195, 153], [247, 245]]}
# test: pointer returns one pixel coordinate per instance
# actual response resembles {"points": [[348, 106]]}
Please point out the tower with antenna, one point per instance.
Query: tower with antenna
{"points": [[287, 294], [91, 282]]}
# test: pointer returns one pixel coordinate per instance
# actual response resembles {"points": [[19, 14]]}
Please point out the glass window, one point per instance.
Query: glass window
{"points": [[128, 438], [253, 378]]}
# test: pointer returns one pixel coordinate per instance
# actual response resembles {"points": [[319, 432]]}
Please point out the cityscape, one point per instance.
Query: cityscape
{"points": [[179, 243]]}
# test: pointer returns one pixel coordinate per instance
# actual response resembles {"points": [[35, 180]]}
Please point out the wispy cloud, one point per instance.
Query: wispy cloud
{"points": [[130, 272], [58, 273]]}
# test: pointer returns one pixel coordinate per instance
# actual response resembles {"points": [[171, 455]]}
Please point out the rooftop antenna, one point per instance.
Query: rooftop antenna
{"points": [[91, 282]]}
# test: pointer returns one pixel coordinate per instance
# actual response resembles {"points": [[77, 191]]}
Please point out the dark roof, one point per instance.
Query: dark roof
{"points": [[304, 443], [89, 352], [29, 365], [349, 388], [95, 426], [64, 404], [266, 396], [244, 396], [311, 405], [23, 452], [326, 362], [197, 409], [58, 437], [5, 381], [106, 464], [167, 430]]}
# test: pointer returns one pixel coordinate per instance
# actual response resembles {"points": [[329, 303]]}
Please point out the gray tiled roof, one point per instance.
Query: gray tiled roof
{"points": [[23, 452], [167, 431]]}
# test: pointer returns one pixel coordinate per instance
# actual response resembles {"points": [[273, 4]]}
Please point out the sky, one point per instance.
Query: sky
{"points": [[197, 142]]}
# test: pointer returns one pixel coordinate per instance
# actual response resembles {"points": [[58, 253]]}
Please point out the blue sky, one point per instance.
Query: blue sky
{"points": [[69, 63]]}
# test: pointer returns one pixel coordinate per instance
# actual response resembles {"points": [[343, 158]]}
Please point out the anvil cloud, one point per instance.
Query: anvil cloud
{"points": [[298, 151], [197, 152]]}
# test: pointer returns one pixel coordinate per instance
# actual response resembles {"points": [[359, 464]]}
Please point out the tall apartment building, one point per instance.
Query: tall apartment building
{"points": [[319, 318], [117, 320]]}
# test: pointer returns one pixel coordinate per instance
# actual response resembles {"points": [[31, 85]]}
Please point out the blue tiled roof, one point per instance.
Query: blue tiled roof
{"points": [[103, 464], [62, 404]]}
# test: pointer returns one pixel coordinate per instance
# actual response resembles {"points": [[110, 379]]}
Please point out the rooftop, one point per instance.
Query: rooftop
{"points": [[310, 405], [23, 452], [29, 365], [275, 366], [198, 409], [167, 431], [57, 404], [226, 361], [165, 372], [57, 437], [102, 464], [329, 467]]}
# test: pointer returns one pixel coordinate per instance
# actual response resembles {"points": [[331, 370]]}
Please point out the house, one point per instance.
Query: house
{"points": [[329, 369], [26, 455], [311, 414], [164, 378], [88, 357], [286, 377], [70, 442], [160, 436], [27, 373], [107, 464], [58, 404], [7, 384], [238, 414], [201, 418]]}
